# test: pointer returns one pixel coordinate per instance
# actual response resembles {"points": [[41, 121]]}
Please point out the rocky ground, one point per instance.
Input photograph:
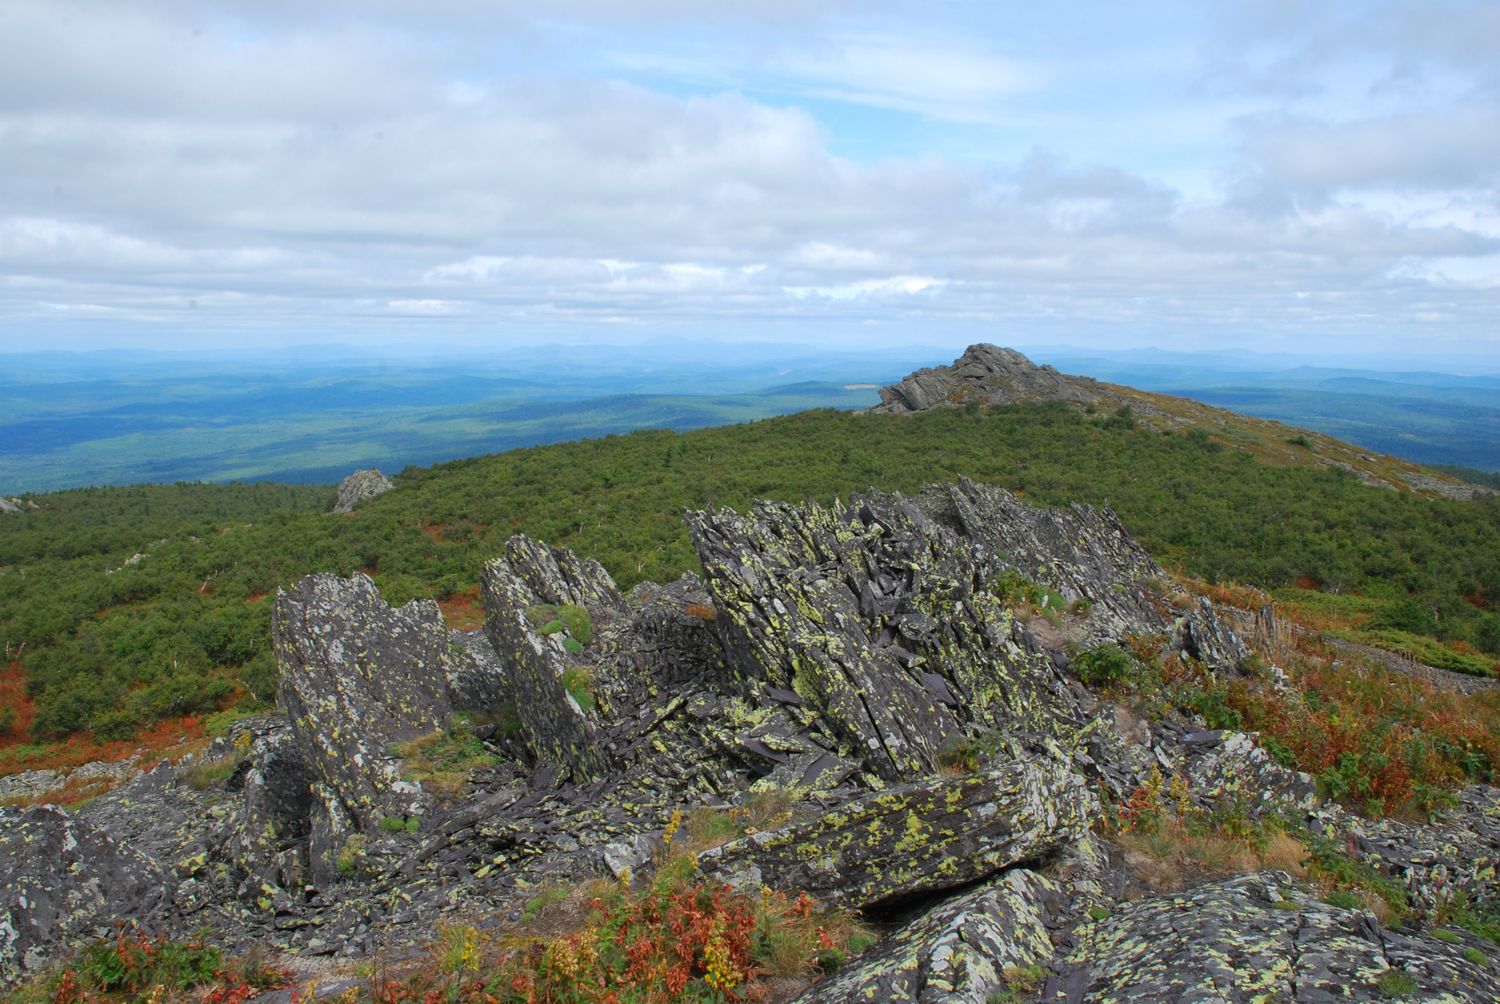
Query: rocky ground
{"points": [[947, 769]]}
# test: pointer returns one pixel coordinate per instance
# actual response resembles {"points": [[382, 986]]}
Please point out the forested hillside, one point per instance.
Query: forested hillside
{"points": [[122, 606]]}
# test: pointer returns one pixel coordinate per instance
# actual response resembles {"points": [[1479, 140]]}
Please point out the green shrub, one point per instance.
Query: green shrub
{"points": [[132, 964], [1396, 984], [579, 682], [1103, 665]]}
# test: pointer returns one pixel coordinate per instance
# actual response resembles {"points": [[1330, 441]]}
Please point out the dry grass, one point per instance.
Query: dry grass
{"points": [[1174, 855]]}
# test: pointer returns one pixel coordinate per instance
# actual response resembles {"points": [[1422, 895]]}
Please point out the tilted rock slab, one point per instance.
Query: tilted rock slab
{"points": [[63, 881], [880, 621], [915, 839], [1260, 937], [1080, 552], [556, 729], [356, 677], [956, 953]]}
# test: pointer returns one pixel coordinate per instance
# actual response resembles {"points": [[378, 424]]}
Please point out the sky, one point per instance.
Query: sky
{"points": [[1273, 176]]}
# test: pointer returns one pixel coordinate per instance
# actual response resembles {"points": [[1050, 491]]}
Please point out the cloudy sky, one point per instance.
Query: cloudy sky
{"points": [[1280, 176]]}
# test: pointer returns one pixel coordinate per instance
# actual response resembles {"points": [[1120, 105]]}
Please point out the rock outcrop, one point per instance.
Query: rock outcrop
{"points": [[902, 670], [987, 375], [1261, 937], [358, 487], [358, 679]]}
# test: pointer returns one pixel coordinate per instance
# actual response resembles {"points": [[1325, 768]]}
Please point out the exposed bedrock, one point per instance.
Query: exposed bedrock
{"points": [[62, 881], [915, 839], [986, 374], [1262, 937], [530, 578]]}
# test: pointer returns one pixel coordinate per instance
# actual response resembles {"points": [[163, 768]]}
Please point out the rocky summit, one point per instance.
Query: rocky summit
{"points": [[917, 678], [988, 375]]}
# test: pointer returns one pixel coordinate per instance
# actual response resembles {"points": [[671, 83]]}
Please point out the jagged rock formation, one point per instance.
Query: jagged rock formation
{"points": [[358, 487], [358, 677], [987, 374], [943, 761]]}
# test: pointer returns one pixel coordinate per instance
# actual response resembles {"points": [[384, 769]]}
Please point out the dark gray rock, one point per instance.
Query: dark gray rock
{"points": [[986, 375], [958, 952], [1455, 853], [556, 727], [915, 839], [1258, 937], [836, 607], [357, 677], [63, 881]]}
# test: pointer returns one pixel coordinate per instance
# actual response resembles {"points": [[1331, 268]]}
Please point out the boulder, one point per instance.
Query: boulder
{"points": [[63, 881], [987, 375], [358, 677], [915, 839], [957, 952], [358, 487]]}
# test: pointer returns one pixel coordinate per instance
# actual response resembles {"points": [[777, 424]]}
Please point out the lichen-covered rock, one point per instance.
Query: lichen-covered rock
{"points": [[557, 728], [1455, 853], [1258, 937], [879, 621], [917, 838], [357, 677], [1081, 552], [671, 638], [1208, 638], [63, 881], [358, 487], [957, 952]]}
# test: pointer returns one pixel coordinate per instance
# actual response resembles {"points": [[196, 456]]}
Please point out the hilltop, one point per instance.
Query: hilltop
{"points": [[1215, 700], [987, 375]]}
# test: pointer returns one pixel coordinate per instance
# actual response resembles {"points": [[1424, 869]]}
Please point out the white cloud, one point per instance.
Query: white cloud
{"points": [[899, 285], [278, 164], [424, 308]]}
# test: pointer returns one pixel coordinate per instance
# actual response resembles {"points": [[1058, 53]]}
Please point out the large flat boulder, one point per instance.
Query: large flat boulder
{"points": [[957, 952], [915, 839]]}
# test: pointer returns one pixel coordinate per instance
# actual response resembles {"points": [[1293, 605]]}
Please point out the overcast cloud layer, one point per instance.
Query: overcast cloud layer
{"points": [[1270, 175]]}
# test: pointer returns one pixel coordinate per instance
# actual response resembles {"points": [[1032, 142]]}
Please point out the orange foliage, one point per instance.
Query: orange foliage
{"points": [[13, 695], [171, 738], [463, 611]]}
